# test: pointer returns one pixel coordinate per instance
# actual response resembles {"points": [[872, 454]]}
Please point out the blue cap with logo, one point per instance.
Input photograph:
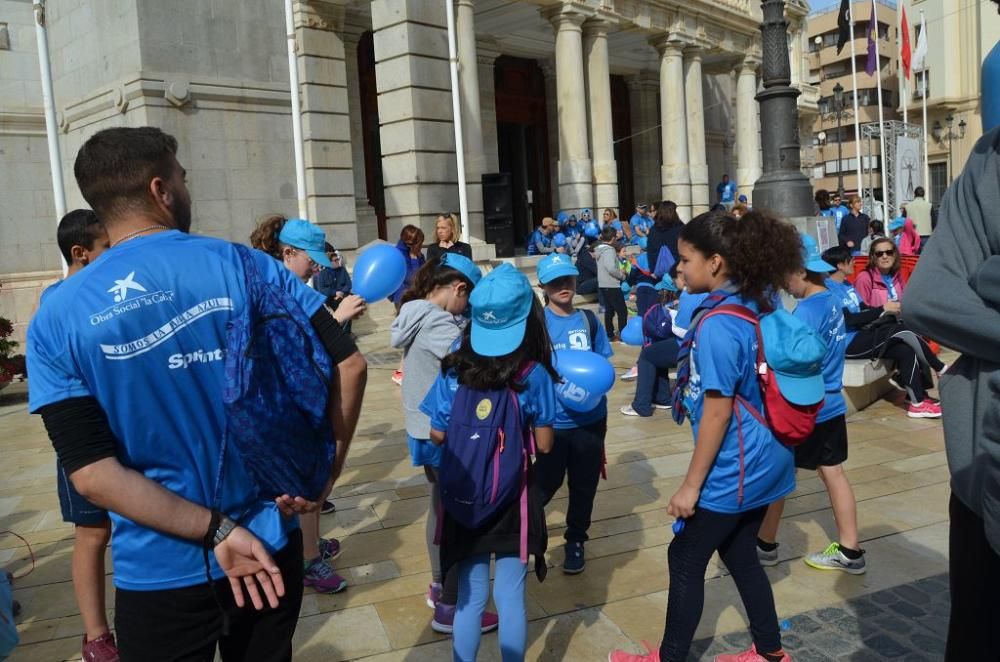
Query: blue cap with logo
{"points": [[305, 236], [500, 304], [463, 265], [897, 223], [794, 354], [555, 265], [811, 259]]}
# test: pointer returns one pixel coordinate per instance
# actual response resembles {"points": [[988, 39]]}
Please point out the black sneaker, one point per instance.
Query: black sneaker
{"points": [[327, 507], [574, 561]]}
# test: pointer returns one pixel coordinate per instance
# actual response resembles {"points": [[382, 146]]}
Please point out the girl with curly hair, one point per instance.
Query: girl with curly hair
{"points": [[722, 501]]}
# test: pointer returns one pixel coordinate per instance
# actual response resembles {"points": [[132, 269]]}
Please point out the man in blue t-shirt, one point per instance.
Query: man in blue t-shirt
{"points": [[826, 448], [727, 192], [578, 452], [126, 362]]}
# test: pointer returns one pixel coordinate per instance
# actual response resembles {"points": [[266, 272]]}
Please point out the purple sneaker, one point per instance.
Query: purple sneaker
{"points": [[322, 578], [433, 594], [444, 619], [329, 548]]}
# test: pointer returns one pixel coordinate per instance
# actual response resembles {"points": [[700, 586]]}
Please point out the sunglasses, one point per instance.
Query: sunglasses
{"points": [[886, 253]]}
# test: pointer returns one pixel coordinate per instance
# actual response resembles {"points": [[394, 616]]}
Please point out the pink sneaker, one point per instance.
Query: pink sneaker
{"points": [[433, 594], [102, 649], [652, 655], [322, 578], [925, 409], [444, 619], [748, 656], [329, 548]]}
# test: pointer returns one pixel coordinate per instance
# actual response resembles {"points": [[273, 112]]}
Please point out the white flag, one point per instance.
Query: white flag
{"points": [[919, 60]]}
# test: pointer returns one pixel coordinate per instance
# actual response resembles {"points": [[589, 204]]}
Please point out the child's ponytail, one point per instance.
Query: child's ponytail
{"points": [[265, 236], [763, 251]]}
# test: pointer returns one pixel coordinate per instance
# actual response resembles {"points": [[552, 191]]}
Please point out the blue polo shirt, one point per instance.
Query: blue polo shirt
{"points": [[823, 311], [724, 359], [572, 332], [537, 401], [143, 331]]}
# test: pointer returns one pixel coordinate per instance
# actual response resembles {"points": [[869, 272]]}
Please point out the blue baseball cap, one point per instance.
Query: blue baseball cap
{"points": [[501, 303], [742, 198], [463, 265], [811, 259], [897, 224], [555, 265], [305, 236], [667, 283], [794, 354], [562, 217]]}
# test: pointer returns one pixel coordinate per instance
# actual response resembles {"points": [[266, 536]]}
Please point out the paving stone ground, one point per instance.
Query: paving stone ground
{"points": [[898, 610]]}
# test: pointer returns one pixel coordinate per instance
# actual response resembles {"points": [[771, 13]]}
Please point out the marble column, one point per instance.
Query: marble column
{"points": [[697, 156], [595, 49], [748, 168], [472, 116], [575, 168], [675, 175]]}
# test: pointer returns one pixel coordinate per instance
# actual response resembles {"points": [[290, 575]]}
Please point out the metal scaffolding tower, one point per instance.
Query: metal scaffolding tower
{"points": [[904, 169]]}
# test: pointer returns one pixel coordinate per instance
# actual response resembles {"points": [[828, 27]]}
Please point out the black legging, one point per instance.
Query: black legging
{"points": [[735, 538], [614, 302], [874, 343]]}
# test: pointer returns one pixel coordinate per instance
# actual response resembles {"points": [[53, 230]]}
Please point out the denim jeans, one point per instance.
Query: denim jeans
{"points": [[653, 383]]}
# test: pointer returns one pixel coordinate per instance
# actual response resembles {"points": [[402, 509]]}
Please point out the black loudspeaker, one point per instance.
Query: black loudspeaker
{"points": [[498, 213]]}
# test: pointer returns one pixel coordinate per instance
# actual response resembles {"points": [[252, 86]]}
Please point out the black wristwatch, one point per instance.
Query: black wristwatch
{"points": [[219, 528]]}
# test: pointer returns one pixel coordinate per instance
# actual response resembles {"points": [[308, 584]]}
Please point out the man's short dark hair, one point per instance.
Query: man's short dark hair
{"points": [[837, 255], [918, 192], [80, 227], [114, 167]]}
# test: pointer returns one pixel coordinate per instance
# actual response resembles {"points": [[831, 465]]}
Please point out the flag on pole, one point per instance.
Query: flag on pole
{"points": [[905, 54], [919, 59], [843, 25], [872, 64]]}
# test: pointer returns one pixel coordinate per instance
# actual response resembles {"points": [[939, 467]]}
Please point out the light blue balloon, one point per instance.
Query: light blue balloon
{"points": [[559, 240], [591, 230], [378, 272], [587, 376], [632, 333]]}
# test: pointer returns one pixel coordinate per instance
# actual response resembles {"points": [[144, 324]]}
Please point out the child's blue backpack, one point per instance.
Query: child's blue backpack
{"points": [[276, 392], [484, 461]]}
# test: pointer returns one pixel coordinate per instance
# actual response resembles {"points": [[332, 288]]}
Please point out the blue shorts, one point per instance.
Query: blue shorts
{"points": [[75, 508], [424, 452]]}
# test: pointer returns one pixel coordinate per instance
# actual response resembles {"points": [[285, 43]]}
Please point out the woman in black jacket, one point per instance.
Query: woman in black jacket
{"points": [[665, 232]]}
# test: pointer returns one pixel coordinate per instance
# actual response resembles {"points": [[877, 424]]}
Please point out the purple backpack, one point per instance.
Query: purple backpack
{"points": [[484, 461]]}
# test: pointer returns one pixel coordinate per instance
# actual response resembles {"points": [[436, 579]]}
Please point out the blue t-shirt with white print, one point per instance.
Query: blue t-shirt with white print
{"points": [[823, 312], [537, 400], [849, 299], [143, 331], [724, 359], [573, 332]]}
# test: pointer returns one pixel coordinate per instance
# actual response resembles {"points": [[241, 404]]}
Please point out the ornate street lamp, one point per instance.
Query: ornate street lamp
{"points": [[782, 188], [940, 134]]}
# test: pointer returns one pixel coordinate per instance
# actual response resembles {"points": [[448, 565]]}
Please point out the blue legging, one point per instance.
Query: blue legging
{"points": [[508, 595]]}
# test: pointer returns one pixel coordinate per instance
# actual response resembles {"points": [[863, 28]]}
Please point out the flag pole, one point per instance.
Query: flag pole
{"points": [[857, 120], [923, 95], [903, 80], [881, 120]]}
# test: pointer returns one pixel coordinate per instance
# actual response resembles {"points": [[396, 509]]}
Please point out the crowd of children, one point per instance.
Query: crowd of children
{"points": [[484, 419]]}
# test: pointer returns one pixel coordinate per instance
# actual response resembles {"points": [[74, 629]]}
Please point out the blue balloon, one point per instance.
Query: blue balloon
{"points": [[587, 376], [632, 333], [591, 230], [559, 240], [378, 272]]}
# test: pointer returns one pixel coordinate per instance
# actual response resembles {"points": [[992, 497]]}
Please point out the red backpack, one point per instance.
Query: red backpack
{"points": [[790, 423]]}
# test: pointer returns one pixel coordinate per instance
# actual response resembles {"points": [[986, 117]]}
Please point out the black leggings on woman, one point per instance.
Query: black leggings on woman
{"points": [[614, 302], [871, 343], [735, 537]]}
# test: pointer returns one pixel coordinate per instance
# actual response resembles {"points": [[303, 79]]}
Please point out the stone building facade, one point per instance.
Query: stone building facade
{"points": [[586, 103]]}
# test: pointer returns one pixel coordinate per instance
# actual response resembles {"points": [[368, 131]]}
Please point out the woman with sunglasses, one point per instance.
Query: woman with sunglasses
{"points": [[875, 330]]}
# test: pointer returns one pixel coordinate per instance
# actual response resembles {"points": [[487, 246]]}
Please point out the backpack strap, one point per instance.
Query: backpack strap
{"points": [[591, 326]]}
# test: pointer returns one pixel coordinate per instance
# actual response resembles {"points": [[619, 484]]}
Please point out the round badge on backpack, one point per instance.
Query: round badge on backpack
{"points": [[483, 409]]}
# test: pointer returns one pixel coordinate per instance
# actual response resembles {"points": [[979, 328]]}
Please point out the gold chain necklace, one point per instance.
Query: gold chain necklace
{"points": [[131, 235]]}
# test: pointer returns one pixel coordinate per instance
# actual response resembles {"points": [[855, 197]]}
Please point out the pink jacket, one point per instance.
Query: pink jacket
{"points": [[872, 289], [909, 240]]}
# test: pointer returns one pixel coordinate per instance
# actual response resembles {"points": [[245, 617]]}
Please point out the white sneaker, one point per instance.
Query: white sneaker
{"points": [[630, 375], [628, 411]]}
